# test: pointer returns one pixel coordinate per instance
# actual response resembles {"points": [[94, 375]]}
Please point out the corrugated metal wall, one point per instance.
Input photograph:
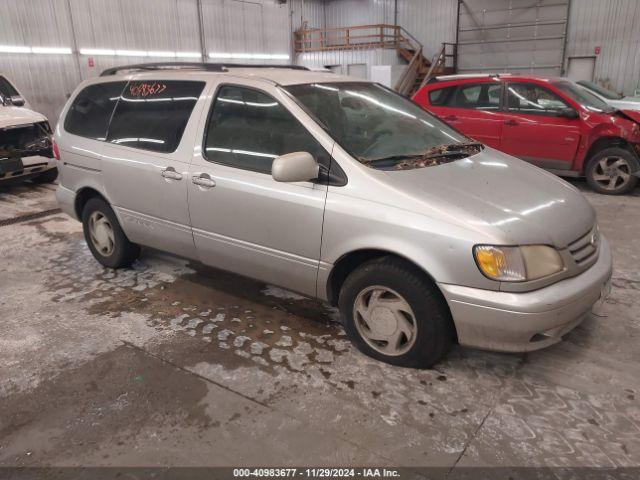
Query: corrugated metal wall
{"points": [[264, 26], [348, 58], [614, 26], [522, 36], [231, 26], [432, 22], [43, 79], [246, 26], [342, 13], [311, 11]]}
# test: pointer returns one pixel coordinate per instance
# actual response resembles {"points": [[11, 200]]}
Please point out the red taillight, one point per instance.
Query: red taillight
{"points": [[55, 149]]}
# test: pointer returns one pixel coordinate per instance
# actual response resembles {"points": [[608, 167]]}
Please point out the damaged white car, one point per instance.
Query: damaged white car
{"points": [[26, 151], [611, 98]]}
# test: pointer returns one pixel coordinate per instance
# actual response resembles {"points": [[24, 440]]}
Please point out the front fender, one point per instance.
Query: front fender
{"points": [[442, 250]]}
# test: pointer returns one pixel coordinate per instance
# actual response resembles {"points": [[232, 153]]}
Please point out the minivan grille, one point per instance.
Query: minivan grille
{"points": [[585, 249]]}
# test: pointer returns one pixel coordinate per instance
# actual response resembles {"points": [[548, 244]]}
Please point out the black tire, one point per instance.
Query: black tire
{"points": [[123, 252], [595, 171], [47, 177], [435, 332]]}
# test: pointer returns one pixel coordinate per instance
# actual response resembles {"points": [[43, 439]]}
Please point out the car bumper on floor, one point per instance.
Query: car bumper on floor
{"points": [[31, 167], [521, 322]]}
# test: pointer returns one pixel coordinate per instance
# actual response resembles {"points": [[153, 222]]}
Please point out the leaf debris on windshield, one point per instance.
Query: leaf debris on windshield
{"points": [[432, 157]]}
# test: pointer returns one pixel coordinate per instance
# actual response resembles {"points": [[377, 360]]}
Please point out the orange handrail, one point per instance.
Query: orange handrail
{"points": [[353, 37]]}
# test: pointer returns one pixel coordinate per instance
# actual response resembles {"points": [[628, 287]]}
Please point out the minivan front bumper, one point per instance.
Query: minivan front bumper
{"points": [[521, 322]]}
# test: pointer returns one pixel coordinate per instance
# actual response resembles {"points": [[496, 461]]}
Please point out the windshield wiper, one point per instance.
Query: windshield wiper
{"points": [[439, 151], [392, 158]]}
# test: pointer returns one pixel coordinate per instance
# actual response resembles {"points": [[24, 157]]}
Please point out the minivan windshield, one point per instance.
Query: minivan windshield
{"points": [[583, 96], [608, 94], [381, 128]]}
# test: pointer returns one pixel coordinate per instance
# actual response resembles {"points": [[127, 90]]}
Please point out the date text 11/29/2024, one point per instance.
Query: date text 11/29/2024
{"points": [[315, 473]]}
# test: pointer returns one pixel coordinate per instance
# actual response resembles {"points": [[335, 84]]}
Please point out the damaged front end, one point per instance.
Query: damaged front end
{"points": [[634, 139], [22, 141], [26, 141]]}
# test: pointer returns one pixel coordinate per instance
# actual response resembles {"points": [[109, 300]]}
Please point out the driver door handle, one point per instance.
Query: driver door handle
{"points": [[511, 123], [171, 173], [203, 180], [451, 117]]}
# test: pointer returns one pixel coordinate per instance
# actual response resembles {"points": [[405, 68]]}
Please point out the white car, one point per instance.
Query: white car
{"points": [[26, 151], [611, 98]]}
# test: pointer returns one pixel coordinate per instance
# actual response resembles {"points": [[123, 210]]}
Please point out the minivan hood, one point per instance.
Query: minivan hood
{"points": [[12, 116], [508, 199]]}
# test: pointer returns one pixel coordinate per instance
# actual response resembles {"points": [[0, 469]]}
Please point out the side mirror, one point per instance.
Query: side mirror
{"points": [[17, 101], [567, 113], [295, 167]]}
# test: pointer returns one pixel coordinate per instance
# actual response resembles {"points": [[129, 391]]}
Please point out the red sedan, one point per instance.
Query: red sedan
{"points": [[553, 123]]}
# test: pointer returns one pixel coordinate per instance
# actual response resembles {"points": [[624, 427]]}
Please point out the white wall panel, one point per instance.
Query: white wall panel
{"points": [[344, 58], [613, 25], [343, 13], [523, 36], [136, 24], [432, 22], [230, 26], [158, 25], [43, 79], [264, 26], [238, 26], [311, 11]]}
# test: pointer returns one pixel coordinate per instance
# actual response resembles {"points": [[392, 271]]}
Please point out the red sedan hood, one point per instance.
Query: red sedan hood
{"points": [[631, 114]]}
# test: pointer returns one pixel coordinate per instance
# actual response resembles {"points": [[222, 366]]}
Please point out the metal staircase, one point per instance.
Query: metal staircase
{"points": [[419, 68]]}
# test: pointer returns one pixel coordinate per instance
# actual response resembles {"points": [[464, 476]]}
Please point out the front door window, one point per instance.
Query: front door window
{"points": [[247, 129], [533, 99]]}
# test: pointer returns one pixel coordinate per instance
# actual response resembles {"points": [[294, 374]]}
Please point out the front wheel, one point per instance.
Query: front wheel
{"points": [[611, 171], [392, 313], [102, 232]]}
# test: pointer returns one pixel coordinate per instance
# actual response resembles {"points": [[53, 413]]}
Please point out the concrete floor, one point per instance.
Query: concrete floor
{"points": [[171, 363]]}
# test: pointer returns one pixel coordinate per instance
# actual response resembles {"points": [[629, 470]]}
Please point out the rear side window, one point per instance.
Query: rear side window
{"points": [[439, 98], [152, 115], [481, 96], [248, 129], [6, 89], [91, 110]]}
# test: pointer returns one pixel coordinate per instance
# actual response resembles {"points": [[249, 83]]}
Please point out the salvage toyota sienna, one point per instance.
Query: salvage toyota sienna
{"points": [[336, 188]]}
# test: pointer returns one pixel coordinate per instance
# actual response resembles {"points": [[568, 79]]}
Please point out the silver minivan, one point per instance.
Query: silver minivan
{"points": [[336, 188]]}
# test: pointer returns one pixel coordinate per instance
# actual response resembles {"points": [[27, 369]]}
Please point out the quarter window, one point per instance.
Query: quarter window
{"points": [[533, 99], [153, 114], [91, 110], [247, 129]]}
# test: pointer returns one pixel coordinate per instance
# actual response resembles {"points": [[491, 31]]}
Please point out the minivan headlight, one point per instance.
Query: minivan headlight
{"points": [[517, 264]]}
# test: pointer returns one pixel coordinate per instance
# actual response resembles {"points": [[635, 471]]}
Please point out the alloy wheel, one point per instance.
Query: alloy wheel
{"points": [[612, 173]]}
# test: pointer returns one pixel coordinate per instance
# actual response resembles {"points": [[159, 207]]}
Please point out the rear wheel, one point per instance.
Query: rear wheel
{"points": [[47, 177], [394, 314], [102, 232], [610, 171]]}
